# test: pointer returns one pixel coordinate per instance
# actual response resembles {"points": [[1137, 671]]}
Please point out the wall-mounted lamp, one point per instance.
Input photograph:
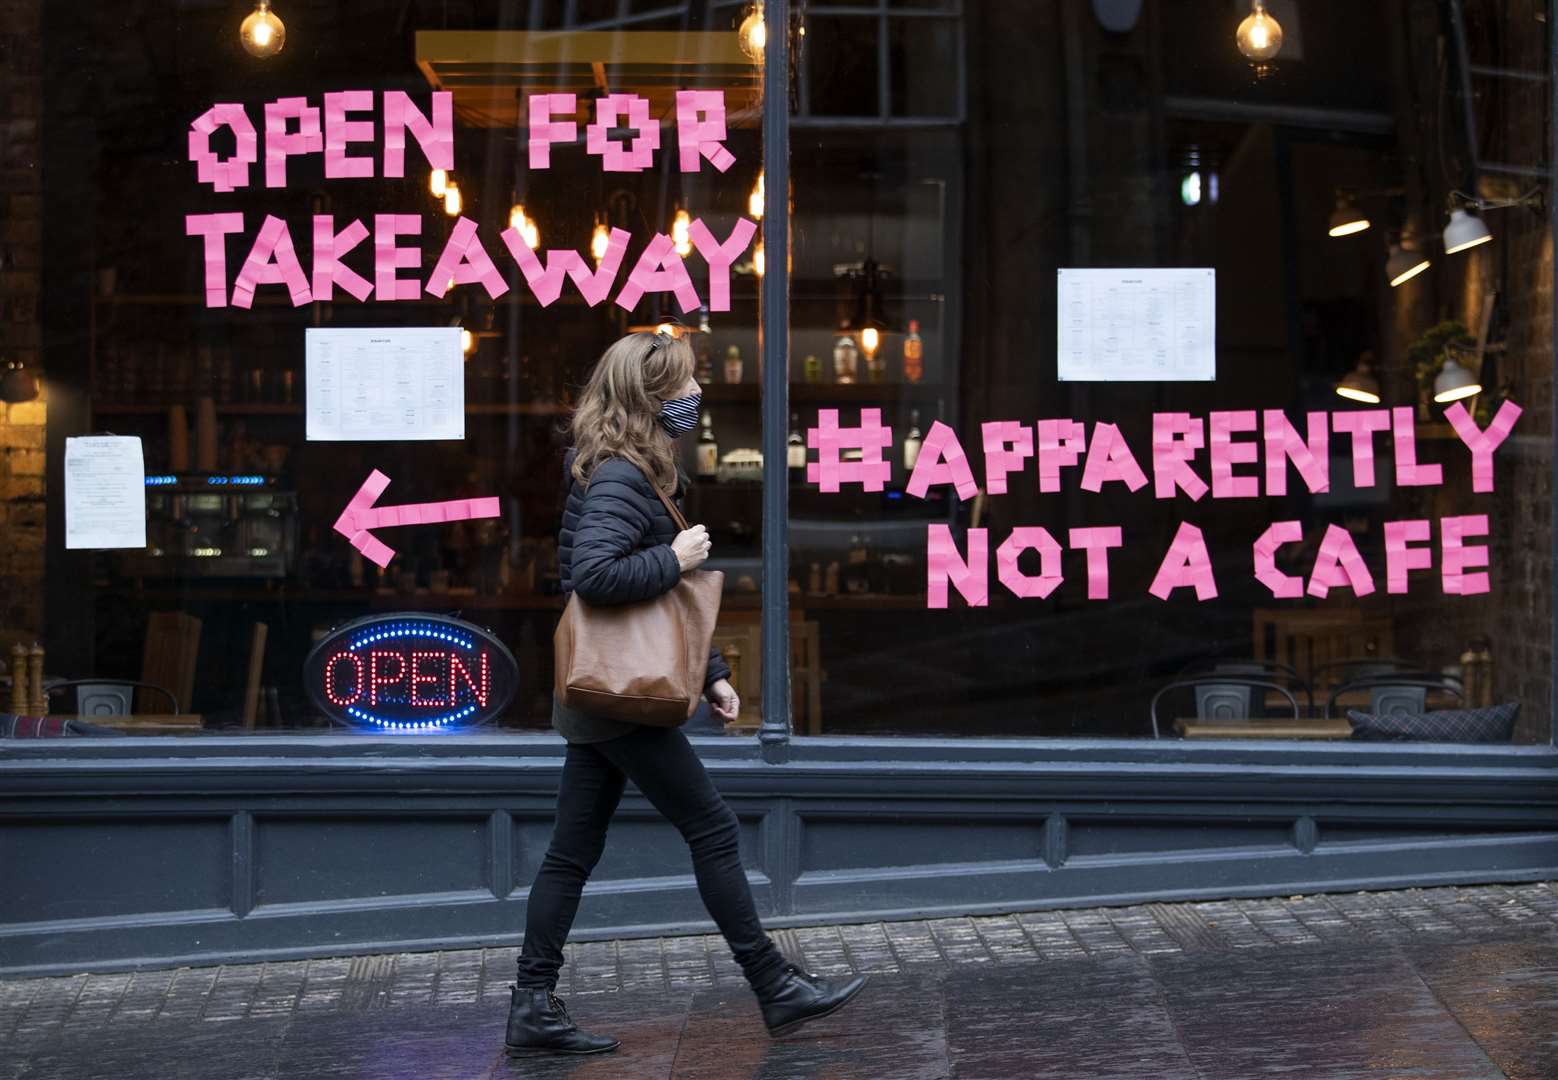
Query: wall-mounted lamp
{"points": [[1466, 230], [1404, 264], [1360, 384], [1347, 218], [1454, 381], [18, 384]]}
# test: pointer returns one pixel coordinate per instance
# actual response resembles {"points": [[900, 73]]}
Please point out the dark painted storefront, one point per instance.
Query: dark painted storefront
{"points": [[290, 840]]}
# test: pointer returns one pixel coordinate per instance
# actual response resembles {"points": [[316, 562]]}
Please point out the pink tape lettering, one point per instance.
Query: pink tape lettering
{"points": [[1007, 445], [435, 136], [1175, 439], [1186, 564], [466, 262], [1400, 558], [1408, 472], [340, 131], [1361, 424], [659, 269], [213, 230], [281, 143], [329, 248], [1312, 459], [720, 256], [387, 258], [1032, 538], [1338, 564], [1226, 453], [544, 131], [943, 564], [830, 471], [1456, 558], [626, 110], [1109, 458], [1282, 586], [232, 173], [700, 131], [1061, 443], [942, 461], [272, 261], [1482, 443], [1097, 541]]}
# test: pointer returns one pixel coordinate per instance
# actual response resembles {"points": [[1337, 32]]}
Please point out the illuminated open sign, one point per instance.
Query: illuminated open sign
{"points": [[409, 672]]}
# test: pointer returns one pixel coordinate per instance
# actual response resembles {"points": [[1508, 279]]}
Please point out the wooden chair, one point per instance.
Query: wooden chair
{"points": [[251, 688], [1308, 639], [172, 648]]}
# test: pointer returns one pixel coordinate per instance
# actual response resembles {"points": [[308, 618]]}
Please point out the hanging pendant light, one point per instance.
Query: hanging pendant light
{"points": [[453, 204], [262, 33], [759, 260], [438, 182], [526, 226], [754, 34], [681, 233], [600, 241], [755, 200], [1259, 36]]}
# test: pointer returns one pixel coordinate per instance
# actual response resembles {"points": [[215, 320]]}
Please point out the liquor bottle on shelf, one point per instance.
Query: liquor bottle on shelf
{"points": [[733, 364], [708, 448], [913, 354], [703, 347], [812, 368], [795, 446], [876, 367], [913, 441], [846, 360]]}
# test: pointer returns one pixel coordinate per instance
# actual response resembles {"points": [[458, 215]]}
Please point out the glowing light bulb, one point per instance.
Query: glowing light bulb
{"points": [[759, 262], [452, 201], [754, 34], [262, 33], [467, 341], [869, 340], [1259, 36], [600, 241], [681, 233], [525, 225], [438, 183], [667, 329], [755, 200]]}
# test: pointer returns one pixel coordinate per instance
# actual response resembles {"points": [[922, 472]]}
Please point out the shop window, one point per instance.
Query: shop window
{"points": [[1012, 312], [246, 565]]}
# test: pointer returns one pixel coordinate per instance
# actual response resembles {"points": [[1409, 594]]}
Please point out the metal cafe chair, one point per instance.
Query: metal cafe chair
{"points": [[1272, 670], [1368, 667], [1393, 695], [1223, 698], [111, 697]]}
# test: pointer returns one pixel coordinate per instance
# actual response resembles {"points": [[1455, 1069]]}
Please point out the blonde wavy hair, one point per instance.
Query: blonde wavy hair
{"points": [[618, 413]]}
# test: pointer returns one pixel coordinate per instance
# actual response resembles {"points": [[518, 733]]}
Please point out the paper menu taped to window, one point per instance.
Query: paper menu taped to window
{"points": [[105, 492], [1137, 325], [385, 383]]}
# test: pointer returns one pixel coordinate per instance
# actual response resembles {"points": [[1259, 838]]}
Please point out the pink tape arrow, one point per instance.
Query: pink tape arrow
{"points": [[361, 515]]}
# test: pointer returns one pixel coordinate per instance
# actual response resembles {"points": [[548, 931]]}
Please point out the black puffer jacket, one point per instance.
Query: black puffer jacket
{"points": [[615, 543]]}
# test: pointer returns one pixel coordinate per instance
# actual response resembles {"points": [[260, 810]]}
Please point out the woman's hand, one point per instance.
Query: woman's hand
{"points": [[725, 700], [691, 547]]}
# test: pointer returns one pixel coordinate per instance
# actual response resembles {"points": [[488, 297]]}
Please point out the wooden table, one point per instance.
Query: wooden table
{"points": [[1282, 727], [148, 723]]}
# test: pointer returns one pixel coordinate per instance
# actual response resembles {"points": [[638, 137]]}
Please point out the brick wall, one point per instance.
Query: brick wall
{"points": [[21, 426]]}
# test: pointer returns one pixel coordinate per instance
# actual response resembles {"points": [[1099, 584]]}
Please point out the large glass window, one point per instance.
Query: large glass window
{"points": [[1202, 409], [209, 203]]}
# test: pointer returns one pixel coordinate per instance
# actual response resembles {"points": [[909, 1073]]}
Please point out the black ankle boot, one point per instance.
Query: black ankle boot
{"points": [[539, 1024], [797, 997]]}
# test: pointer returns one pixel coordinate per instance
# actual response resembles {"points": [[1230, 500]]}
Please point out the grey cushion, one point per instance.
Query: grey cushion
{"points": [[1493, 724]]}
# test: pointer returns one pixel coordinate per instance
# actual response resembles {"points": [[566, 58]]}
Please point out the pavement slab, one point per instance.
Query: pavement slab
{"points": [[1457, 983]]}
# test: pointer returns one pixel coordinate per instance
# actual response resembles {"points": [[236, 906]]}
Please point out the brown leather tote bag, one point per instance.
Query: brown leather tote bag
{"points": [[642, 662]]}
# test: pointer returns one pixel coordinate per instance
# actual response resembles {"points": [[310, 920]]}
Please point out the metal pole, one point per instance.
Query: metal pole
{"points": [[775, 327]]}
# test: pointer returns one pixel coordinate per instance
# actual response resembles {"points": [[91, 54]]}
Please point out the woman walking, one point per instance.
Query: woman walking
{"points": [[619, 545]]}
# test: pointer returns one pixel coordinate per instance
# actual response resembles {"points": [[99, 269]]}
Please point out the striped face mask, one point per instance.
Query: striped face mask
{"points": [[680, 415]]}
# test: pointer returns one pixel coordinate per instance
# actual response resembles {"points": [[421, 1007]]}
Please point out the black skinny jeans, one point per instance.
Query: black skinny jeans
{"points": [[661, 763]]}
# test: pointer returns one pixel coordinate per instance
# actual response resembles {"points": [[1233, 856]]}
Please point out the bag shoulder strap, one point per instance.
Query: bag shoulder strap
{"points": [[676, 515]]}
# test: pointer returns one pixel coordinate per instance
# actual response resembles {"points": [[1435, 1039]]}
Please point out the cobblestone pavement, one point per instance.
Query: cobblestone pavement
{"points": [[1448, 982]]}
